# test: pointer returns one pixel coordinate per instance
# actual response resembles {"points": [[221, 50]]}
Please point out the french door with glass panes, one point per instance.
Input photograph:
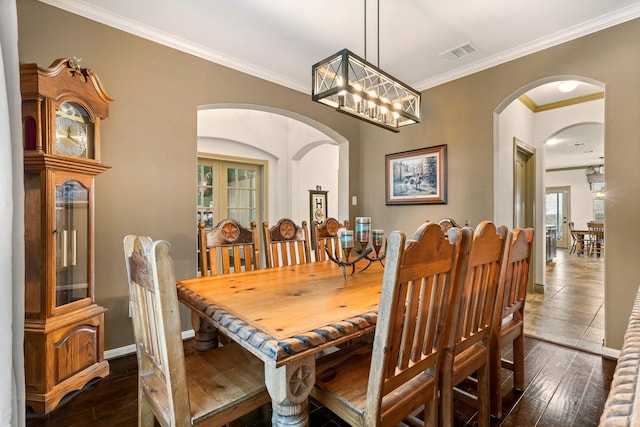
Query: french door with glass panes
{"points": [[229, 190], [557, 210]]}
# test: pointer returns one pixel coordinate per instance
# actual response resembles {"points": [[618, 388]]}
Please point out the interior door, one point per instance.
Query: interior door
{"points": [[523, 185], [524, 195], [557, 211]]}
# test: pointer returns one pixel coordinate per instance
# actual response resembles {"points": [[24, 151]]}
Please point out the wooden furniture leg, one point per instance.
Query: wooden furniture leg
{"points": [[289, 387], [206, 335]]}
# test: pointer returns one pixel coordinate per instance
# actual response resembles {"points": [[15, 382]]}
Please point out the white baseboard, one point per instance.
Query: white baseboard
{"points": [[610, 353], [131, 348]]}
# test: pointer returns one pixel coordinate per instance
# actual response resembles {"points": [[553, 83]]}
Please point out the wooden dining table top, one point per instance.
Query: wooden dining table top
{"points": [[283, 312]]}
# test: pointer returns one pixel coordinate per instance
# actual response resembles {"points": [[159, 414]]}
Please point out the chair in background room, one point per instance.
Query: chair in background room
{"points": [[210, 388], [286, 243], [228, 248], [574, 238], [596, 238], [508, 323], [326, 238], [469, 324], [383, 385]]}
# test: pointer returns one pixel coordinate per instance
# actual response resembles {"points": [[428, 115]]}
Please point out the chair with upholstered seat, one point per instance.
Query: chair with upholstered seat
{"points": [[326, 238], [228, 247], [469, 324], [211, 388], [383, 385], [508, 324], [286, 243]]}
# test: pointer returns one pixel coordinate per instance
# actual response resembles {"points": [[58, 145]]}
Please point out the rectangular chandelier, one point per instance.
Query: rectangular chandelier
{"points": [[353, 86]]}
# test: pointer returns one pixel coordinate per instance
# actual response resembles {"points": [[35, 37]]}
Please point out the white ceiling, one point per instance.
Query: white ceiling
{"points": [[279, 40]]}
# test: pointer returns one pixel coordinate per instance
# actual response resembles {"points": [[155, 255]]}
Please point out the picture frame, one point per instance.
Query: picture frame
{"points": [[417, 176], [317, 210]]}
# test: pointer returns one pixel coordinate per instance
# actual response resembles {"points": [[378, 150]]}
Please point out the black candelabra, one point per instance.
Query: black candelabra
{"points": [[346, 241]]}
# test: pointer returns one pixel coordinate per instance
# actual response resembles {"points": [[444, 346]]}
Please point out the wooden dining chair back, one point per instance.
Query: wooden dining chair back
{"points": [[470, 321], [383, 385], [508, 323], [447, 223], [326, 238], [286, 243], [596, 238], [228, 248], [213, 387]]}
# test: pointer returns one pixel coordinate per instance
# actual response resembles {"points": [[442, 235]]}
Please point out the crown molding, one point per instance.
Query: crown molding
{"points": [[568, 34], [90, 11], [103, 16], [535, 108]]}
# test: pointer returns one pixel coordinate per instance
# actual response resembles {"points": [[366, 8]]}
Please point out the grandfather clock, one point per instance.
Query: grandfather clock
{"points": [[62, 107]]}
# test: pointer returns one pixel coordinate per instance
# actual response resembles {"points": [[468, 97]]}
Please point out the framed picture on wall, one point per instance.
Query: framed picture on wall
{"points": [[317, 206], [416, 176], [317, 210]]}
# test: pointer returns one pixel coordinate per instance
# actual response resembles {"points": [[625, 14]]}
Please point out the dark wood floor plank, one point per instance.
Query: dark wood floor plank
{"points": [[543, 386], [567, 399], [594, 398], [526, 413], [552, 373]]}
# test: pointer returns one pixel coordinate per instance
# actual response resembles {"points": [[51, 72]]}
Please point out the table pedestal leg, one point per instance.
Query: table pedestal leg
{"points": [[206, 335], [289, 387]]}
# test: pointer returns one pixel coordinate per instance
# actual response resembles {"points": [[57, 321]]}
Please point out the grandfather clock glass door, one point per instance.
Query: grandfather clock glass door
{"points": [[72, 242]]}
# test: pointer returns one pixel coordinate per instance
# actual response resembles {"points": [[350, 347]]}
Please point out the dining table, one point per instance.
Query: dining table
{"points": [[582, 237], [287, 317]]}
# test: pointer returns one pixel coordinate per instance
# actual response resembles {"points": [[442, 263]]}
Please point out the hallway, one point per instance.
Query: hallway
{"points": [[571, 309]]}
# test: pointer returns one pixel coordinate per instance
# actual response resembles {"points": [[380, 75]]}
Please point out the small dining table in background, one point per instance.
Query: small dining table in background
{"points": [[285, 316], [582, 236]]}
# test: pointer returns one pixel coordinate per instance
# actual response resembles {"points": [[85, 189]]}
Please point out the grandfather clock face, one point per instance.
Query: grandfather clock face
{"points": [[74, 131]]}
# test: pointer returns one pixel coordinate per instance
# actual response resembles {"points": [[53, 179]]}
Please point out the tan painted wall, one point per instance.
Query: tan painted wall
{"points": [[150, 140], [460, 114]]}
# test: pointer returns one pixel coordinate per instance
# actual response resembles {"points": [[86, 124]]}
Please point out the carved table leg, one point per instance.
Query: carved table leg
{"points": [[206, 334], [289, 387]]}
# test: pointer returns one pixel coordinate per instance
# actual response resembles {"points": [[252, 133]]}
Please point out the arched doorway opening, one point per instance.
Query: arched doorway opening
{"points": [[535, 123], [301, 154]]}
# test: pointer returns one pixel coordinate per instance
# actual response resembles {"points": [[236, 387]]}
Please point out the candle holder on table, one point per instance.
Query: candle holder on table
{"points": [[363, 235]]}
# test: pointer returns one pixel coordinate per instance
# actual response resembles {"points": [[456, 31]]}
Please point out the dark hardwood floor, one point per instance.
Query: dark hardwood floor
{"points": [[564, 387]]}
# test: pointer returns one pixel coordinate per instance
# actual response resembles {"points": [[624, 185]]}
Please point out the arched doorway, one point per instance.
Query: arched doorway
{"points": [[301, 154], [518, 116]]}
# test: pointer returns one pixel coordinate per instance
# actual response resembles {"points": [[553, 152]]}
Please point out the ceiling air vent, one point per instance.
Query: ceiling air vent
{"points": [[459, 51]]}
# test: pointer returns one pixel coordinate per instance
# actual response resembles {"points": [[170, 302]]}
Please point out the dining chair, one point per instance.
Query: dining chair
{"points": [[326, 238], [286, 243], [447, 223], [209, 388], [574, 238], [228, 247], [596, 238], [469, 324], [508, 322], [383, 383]]}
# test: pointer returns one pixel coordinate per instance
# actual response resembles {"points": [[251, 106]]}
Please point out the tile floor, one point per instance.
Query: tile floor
{"points": [[570, 311]]}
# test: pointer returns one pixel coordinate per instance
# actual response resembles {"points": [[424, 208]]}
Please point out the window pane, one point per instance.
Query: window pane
{"points": [[553, 214], [232, 201], [243, 182], [231, 178]]}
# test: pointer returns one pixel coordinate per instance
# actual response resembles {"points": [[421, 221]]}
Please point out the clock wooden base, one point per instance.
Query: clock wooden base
{"points": [[62, 354]]}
